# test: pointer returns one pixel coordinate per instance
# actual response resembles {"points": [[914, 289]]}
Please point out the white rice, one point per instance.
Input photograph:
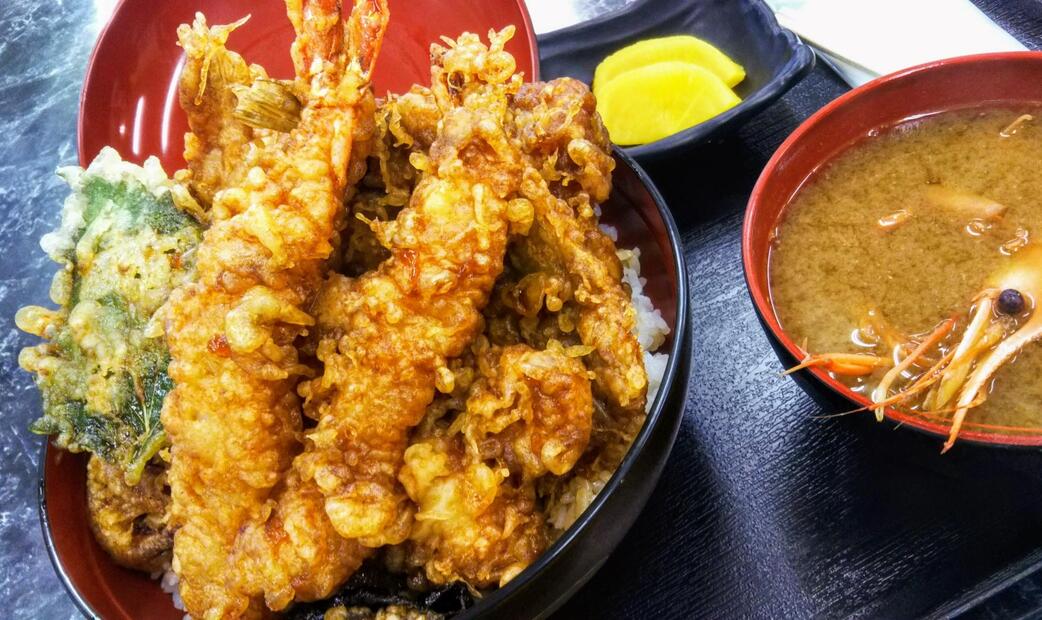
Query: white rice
{"points": [[169, 582], [651, 328]]}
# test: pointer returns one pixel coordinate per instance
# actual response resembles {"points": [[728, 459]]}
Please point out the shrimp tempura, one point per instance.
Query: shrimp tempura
{"points": [[528, 415], [571, 263], [386, 337], [384, 340], [233, 417], [557, 123]]}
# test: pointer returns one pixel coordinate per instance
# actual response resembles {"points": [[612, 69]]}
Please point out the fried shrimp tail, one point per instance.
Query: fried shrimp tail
{"points": [[215, 145], [233, 416]]}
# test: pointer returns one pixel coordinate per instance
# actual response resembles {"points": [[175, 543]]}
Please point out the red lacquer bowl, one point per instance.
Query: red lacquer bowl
{"points": [[129, 99], [129, 102], [964, 82]]}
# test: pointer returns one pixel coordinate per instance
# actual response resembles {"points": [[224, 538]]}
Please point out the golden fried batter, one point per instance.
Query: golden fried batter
{"points": [[256, 512], [386, 337], [559, 129], [233, 416], [130, 521], [292, 551], [383, 340], [215, 146], [529, 414], [558, 125]]}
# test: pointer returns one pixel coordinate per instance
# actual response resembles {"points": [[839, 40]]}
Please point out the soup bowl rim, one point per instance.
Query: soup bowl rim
{"points": [[761, 294]]}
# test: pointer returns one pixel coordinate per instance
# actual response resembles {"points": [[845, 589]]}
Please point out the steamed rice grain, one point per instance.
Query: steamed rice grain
{"points": [[572, 499]]}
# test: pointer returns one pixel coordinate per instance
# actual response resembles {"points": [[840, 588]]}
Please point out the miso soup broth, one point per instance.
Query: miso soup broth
{"points": [[901, 232]]}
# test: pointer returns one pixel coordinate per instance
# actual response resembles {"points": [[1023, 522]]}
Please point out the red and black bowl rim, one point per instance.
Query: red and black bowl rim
{"points": [[758, 287]]}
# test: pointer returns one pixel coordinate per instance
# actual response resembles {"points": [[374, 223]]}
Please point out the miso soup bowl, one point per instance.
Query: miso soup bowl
{"points": [[1009, 78]]}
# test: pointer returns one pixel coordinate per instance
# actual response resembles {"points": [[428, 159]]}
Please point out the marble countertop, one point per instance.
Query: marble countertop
{"points": [[43, 57]]}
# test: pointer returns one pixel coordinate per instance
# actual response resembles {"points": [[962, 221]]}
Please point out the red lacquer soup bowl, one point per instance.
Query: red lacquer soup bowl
{"points": [[130, 102], [958, 83]]}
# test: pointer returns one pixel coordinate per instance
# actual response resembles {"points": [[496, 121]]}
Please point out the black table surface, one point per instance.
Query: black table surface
{"points": [[764, 509]]}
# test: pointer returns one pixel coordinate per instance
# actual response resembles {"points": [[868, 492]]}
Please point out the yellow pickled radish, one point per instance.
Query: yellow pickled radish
{"points": [[649, 103], [682, 48]]}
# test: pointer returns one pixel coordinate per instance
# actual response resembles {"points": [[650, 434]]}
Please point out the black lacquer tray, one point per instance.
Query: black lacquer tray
{"points": [[768, 510]]}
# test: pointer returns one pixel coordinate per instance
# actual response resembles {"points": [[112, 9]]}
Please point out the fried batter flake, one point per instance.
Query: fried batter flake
{"points": [[528, 415]]}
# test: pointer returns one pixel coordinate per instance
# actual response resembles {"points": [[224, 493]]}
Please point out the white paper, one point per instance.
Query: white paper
{"points": [[867, 38]]}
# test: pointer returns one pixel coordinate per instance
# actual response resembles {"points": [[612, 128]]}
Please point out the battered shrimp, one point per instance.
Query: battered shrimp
{"points": [[215, 146], [559, 129], [384, 340], [568, 264], [233, 417], [529, 414], [386, 337]]}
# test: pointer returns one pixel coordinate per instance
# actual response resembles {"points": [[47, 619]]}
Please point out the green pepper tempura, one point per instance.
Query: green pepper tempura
{"points": [[125, 243]]}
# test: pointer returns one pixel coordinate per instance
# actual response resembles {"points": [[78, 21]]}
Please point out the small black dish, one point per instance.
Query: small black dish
{"points": [[746, 30]]}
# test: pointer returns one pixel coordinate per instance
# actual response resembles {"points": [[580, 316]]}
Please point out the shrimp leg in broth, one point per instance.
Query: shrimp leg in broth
{"points": [[233, 417], [1001, 321]]}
